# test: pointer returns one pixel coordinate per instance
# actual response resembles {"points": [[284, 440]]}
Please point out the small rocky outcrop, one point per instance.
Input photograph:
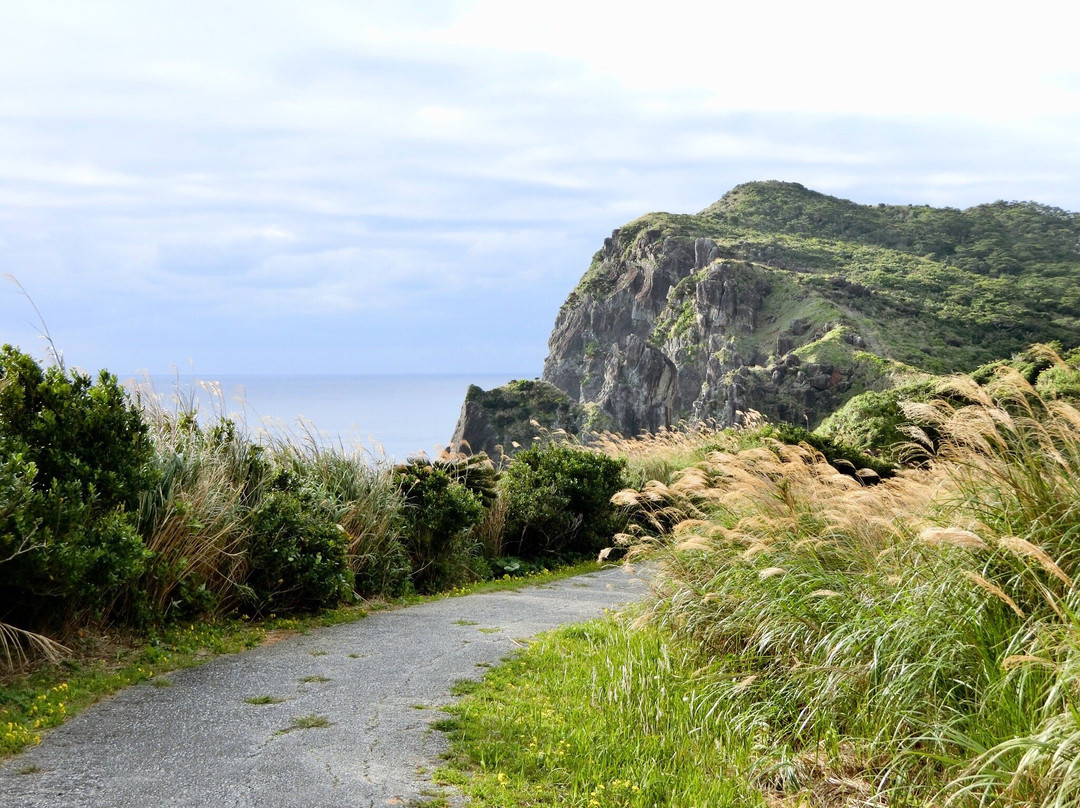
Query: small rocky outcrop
{"points": [[493, 421]]}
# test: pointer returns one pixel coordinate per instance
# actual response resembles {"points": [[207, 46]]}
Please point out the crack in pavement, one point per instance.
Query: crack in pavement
{"points": [[198, 743]]}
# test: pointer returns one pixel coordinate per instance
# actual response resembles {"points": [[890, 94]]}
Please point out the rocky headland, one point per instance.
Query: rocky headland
{"points": [[788, 302]]}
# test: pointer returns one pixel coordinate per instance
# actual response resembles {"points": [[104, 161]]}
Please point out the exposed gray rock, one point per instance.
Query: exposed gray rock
{"points": [[639, 387], [664, 329], [474, 432], [492, 421]]}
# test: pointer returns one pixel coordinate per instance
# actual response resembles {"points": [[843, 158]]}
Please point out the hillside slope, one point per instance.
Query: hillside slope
{"points": [[790, 302], [787, 301]]}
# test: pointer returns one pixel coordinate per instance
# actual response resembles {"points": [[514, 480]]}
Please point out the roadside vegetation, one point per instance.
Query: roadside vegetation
{"points": [[831, 625], [122, 521], [817, 638]]}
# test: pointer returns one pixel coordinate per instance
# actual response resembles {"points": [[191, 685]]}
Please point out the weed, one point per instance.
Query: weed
{"points": [[463, 687], [263, 700], [306, 722], [446, 725]]}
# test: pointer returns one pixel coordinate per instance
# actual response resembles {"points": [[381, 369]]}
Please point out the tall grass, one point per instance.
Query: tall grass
{"points": [[213, 477], [194, 520], [661, 455], [917, 639]]}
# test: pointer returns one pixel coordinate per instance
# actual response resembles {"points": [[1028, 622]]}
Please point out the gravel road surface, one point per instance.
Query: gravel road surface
{"points": [[369, 689]]}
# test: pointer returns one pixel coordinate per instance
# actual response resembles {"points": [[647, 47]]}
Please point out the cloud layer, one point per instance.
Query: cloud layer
{"points": [[339, 187]]}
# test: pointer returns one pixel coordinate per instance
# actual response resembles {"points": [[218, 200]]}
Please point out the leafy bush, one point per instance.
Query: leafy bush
{"points": [[559, 501], [298, 556], [73, 430], [439, 516], [370, 509], [75, 458]]}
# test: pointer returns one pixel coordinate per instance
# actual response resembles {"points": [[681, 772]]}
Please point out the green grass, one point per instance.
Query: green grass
{"points": [[592, 715], [306, 722], [263, 700]]}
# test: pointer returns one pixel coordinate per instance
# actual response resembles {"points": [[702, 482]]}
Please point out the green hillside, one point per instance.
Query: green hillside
{"points": [[937, 288]]}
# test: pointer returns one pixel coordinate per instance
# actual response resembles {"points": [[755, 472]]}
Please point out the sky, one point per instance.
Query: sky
{"points": [[354, 187]]}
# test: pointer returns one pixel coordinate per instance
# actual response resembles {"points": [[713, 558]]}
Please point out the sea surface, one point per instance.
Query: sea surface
{"points": [[387, 416]]}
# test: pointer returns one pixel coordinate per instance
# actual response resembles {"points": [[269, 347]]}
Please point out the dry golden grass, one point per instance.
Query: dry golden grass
{"points": [[932, 614], [18, 646]]}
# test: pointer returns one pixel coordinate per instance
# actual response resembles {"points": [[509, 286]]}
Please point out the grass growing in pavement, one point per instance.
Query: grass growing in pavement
{"points": [[263, 700], [306, 722], [593, 715]]}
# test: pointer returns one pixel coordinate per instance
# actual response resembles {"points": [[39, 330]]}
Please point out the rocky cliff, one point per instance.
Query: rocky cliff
{"points": [[689, 331], [790, 302]]}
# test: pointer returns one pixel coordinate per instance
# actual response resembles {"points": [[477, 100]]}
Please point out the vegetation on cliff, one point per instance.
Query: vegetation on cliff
{"points": [[868, 296]]}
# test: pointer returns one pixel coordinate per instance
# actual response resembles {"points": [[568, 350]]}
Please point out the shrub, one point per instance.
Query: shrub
{"points": [[831, 449], [298, 556], [76, 455], [368, 506], [559, 501], [874, 422], [75, 431], [439, 516]]}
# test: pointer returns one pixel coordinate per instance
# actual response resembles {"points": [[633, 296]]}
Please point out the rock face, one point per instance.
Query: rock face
{"points": [[674, 329], [493, 421], [788, 302]]}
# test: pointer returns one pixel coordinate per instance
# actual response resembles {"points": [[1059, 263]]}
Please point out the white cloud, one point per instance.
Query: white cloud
{"points": [[260, 163]]}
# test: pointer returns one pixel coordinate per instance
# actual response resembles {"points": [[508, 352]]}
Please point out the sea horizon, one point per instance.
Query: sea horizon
{"points": [[385, 416]]}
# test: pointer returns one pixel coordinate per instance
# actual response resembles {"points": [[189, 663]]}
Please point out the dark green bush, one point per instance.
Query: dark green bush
{"points": [[832, 450], [439, 514], [559, 501], [298, 557], [75, 431], [74, 456]]}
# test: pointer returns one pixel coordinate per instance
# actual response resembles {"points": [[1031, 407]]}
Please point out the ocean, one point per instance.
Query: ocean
{"points": [[391, 416]]}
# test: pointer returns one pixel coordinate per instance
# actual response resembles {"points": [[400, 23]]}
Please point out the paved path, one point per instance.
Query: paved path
{"points": [[200, 743]]}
